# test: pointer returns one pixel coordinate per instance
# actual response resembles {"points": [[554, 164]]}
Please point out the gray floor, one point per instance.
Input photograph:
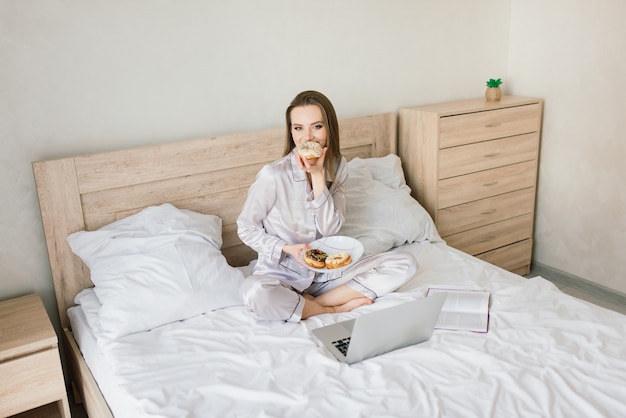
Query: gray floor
{"points": [[583, 292]]}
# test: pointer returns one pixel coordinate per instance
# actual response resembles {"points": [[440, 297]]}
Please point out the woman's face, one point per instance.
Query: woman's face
{"points": [[307, 124]]}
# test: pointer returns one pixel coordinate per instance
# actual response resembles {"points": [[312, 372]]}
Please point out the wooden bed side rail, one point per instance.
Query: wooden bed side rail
{"points": [[84, 386]]}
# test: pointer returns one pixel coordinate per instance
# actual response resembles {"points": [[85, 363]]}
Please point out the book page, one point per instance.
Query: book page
{"points": [[463, 310], [462, 321]]}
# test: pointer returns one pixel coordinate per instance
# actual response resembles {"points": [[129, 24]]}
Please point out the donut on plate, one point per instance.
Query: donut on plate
{"points": [[337, 260], [315, 258]]}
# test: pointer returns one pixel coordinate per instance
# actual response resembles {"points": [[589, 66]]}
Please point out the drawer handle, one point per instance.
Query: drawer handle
{"points": [[493, 183], [488, 212], [491, 155], [487, 239], [493, 125]]}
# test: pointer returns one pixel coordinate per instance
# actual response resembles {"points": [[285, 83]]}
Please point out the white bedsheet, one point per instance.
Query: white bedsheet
{"points": [[546, 355]]}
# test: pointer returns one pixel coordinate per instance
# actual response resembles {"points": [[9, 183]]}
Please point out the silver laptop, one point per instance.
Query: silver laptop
{"points": [[379, 332]]}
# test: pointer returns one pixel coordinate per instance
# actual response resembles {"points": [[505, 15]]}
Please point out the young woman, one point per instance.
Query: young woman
{"points": [[294, 202]]}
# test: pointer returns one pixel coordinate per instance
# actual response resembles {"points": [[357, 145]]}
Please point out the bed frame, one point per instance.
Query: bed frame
{"points": [[209, 175]]}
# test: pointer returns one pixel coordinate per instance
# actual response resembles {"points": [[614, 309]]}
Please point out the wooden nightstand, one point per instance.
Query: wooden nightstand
{"points": [[30, 367]]}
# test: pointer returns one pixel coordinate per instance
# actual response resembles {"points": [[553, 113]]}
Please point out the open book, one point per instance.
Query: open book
{"points": [[466, 310]]}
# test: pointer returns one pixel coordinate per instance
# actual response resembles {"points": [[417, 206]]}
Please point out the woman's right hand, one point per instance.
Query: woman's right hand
{"points": [[295, 250]]}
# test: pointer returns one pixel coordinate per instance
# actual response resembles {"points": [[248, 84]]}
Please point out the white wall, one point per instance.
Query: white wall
{"points": [[573, 54]]}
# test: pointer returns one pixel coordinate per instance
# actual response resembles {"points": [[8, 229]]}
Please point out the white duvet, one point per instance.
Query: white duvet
{"points": [[546, 355]]}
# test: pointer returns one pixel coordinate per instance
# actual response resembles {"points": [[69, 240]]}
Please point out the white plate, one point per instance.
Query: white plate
{"points": [[338, 243]]}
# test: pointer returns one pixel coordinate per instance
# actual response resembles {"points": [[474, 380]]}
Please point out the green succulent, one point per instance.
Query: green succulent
{"points": [[494, 83]]}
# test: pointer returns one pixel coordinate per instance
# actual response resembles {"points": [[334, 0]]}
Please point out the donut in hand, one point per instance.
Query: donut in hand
{"points": [[310, 150]]}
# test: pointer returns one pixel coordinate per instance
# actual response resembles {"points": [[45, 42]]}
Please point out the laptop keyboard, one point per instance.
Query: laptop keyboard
{"points": [[342, 345]]}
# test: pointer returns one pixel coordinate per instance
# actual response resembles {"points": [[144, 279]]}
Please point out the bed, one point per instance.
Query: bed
{"points": [[143, 346]]}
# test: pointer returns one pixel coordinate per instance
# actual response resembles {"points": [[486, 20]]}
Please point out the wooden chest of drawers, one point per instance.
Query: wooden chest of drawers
{"points": [[473, 165]]}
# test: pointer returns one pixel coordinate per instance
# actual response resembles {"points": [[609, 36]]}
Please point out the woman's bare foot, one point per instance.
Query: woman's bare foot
{"points": [[312, 308], [353, 304]]}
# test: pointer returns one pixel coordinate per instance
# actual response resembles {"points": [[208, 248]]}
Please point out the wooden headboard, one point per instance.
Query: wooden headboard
{"points": [[209, 175]]}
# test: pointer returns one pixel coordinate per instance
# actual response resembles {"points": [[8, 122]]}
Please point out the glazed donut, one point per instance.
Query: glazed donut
{"points": [[337, 260], [310, 150], [315, 258]]}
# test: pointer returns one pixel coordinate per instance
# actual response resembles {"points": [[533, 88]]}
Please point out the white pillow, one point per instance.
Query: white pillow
{"points": [[158, 266], [387, 170], [90, 305], [380, 211]]}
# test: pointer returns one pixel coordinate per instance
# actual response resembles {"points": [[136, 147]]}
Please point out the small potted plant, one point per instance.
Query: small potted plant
{"points": [[493, 93]]}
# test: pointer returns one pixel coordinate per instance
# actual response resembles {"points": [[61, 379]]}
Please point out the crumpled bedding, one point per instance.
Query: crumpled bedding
{"points": [[546, 354]]}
